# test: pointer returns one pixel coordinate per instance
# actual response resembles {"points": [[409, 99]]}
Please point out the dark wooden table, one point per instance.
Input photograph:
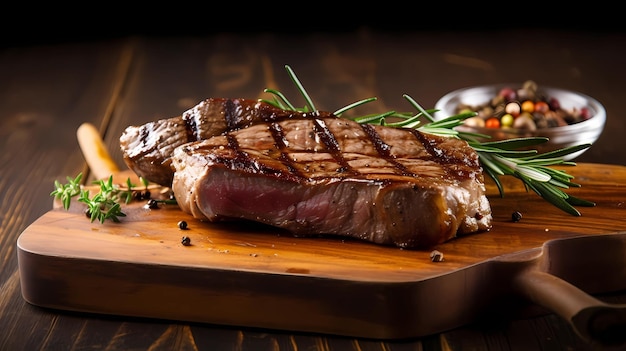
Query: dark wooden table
{"points": [[49, 87]]}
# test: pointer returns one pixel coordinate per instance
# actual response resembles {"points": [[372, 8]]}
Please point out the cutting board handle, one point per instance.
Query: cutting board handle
{"points": [[595, 321]]}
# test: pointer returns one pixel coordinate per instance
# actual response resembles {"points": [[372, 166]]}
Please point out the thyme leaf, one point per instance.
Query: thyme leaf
{"points": [[65, 192]]}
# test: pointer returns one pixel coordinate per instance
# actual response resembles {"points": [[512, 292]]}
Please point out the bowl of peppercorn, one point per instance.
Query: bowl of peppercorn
{"points": [[504, 111]]}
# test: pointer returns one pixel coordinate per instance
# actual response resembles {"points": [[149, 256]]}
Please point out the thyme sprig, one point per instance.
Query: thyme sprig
{"points": [[498, 158], [65, 192], [103, 205]]}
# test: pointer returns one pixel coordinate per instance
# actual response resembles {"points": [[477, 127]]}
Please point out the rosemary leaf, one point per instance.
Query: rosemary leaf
{"points": [[563, 152], [296, 81], [493, 167], [575, 201], [496, 179], [516, 143], [373, 118], [439, 131], [480, 148], [532, 173], [558, 174], [554, 196], [340, 111], [559, 183], [280, 100], [419, 108]]}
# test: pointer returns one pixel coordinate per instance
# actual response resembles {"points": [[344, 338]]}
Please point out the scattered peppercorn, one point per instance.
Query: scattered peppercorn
{"points": [[142, 195], [186, 241], [153, 204], [516, 216], [436, 256], [182, 225]]}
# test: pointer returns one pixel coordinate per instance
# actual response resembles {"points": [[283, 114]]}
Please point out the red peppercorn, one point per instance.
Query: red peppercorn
{"points": [[508, 94], [585, 114], [542, 107], [554, 103], [492, 122]]}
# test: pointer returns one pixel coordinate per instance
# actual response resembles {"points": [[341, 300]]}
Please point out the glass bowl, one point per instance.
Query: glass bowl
{"points": [[583, 132]]}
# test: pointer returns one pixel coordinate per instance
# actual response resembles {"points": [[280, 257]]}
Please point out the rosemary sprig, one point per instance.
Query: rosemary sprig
{"points": [[498, 158]]}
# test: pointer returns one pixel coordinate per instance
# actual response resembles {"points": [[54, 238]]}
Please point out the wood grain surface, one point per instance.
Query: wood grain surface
{"points": [[48, 90]]}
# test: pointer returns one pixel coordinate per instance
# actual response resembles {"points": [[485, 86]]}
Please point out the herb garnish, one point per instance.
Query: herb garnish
{"points": [[498, 158], [103, 205], [65, 192]]}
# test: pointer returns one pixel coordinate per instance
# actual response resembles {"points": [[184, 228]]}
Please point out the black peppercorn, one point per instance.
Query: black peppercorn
{"points": [[152, 203], [516, 216], [182, 225], [186, 241]]}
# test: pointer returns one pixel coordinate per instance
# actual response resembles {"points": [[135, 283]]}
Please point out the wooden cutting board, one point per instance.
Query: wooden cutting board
{"points": [[246, 274]]}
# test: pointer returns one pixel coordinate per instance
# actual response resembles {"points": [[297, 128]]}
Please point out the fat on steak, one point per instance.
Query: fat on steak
{"points": [[333, 176], [147, 149]]}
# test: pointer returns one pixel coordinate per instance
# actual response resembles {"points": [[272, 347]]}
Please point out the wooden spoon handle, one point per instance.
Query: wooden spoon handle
{"points": [[95, 152], [98, 158], [595, 321]]}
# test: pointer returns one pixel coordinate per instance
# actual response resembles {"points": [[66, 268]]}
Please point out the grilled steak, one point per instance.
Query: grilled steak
{"points": [[147, 149], [333, 176]]}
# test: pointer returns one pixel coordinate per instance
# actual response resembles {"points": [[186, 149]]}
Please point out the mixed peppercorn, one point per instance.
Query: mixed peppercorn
{"points": [[527, 108]]}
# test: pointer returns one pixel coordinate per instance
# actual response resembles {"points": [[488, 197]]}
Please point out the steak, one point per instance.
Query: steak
{"points": [[333, 176], [147, 149]]}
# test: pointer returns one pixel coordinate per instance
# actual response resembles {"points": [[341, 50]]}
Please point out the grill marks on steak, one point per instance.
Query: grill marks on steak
{"points": [[334, 176], [147, 149]]}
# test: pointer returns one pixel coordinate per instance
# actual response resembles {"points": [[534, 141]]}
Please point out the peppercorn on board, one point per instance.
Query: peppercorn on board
{"points": [[250, 275]]}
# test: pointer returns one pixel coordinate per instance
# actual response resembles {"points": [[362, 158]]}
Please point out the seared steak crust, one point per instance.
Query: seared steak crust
{"points": [[334, 176], [147, 149]]}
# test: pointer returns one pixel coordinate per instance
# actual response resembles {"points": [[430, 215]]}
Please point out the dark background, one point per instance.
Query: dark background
{"points": [[51, 23]]}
